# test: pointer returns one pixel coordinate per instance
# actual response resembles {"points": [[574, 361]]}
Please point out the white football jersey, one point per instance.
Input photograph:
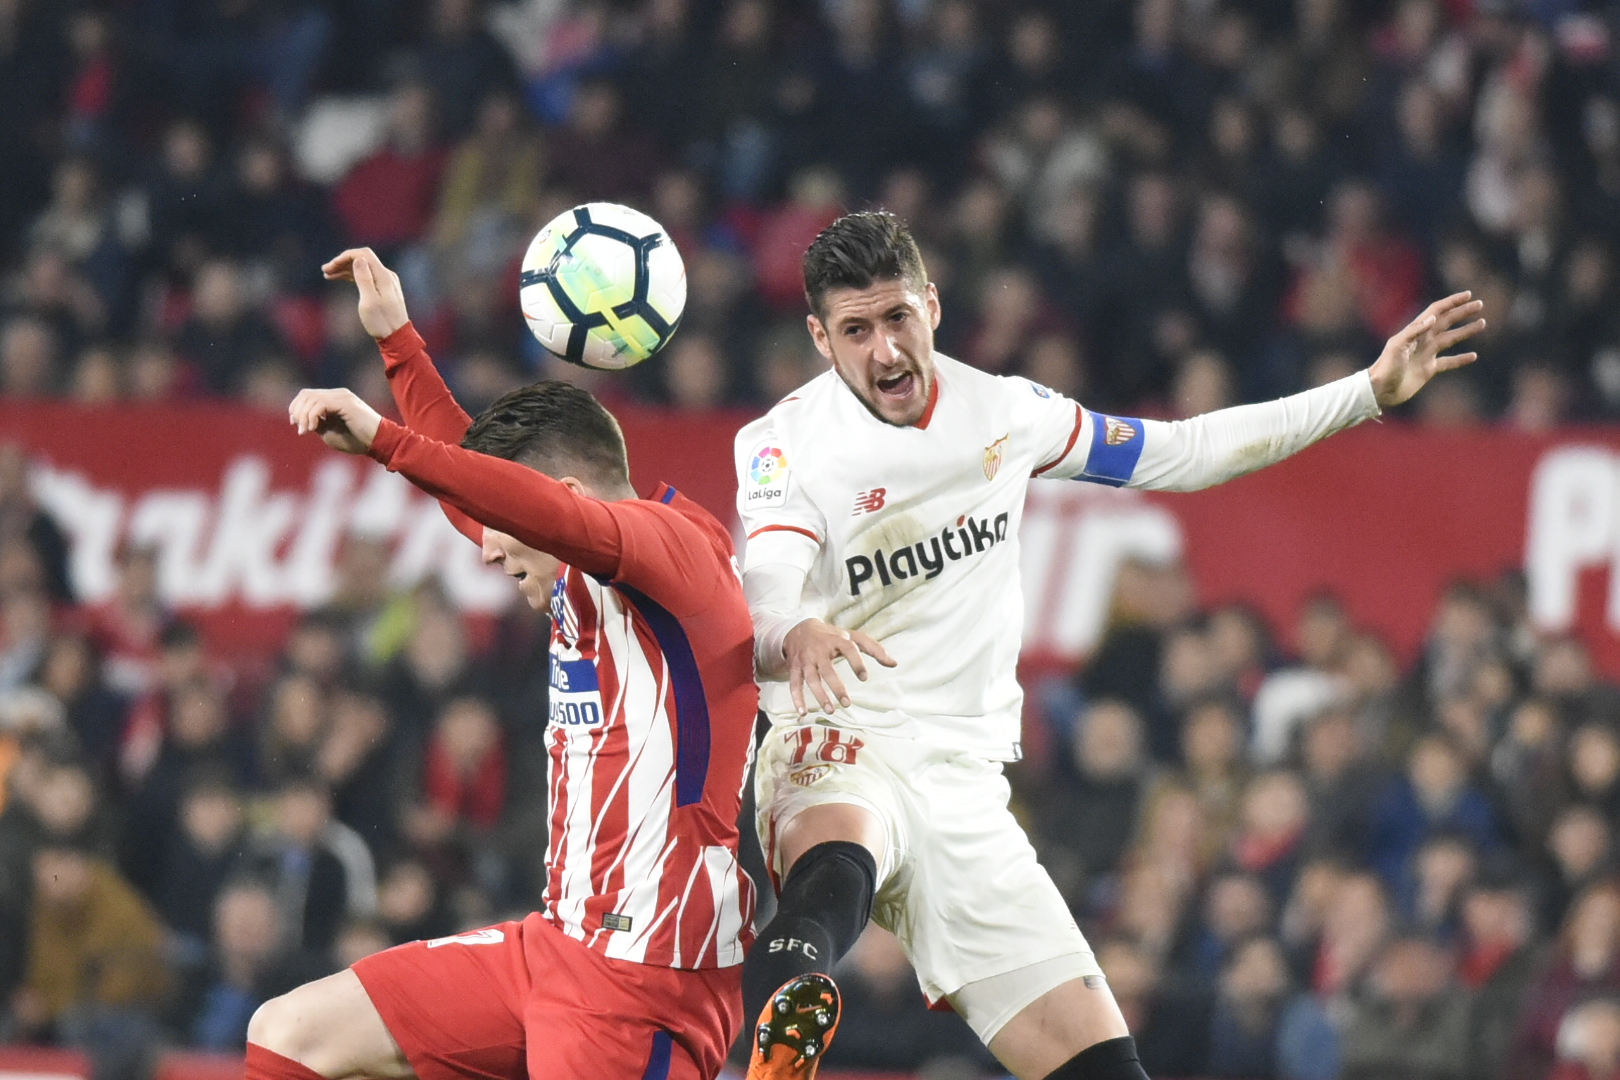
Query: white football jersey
{"points": [[918, 535]]}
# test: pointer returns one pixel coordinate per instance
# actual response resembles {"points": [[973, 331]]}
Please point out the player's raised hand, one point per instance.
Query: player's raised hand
{"points": [[1412, 357], [339, 417], [811, 647], [382, 300]]}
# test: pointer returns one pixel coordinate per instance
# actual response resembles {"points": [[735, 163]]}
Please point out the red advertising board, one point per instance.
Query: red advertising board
{"points": [[248, 519]]}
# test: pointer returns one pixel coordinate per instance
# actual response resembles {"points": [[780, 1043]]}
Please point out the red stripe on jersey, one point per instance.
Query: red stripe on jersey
{"points": [[933, 399], [1074, 437], [784, 528]]}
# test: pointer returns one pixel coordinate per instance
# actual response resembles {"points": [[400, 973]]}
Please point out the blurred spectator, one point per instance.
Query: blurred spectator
{"points": [[1589, 1042], [247, 965], [601, 150], [463, 63], [29, 352], [490, 192], [1411, 1020], [463, 777], [1236, 907], [205, 850], [22, 518], [1268, 840], [71, 672], [1433, 794], [816, 198], [1499, 956], [1087, 819], [1258, 1015], [1172, 1025], [226, 334], [1585, 962], [200, 737], [95, 968], [1580, 847], [887, 1024], [128, 625], [1355, 921], [411, 905], [387, 200], [281, 223], [319, 869]]}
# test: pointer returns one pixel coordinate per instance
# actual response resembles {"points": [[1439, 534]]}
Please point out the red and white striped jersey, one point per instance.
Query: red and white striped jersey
{"points": [[639, 867], [652, 702]]}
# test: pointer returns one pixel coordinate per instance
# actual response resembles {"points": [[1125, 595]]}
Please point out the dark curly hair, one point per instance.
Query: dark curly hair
{"points": [[554, 427], [858, 249]]}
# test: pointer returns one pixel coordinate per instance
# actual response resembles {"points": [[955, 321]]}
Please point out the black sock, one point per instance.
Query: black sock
{"points": [[822, 909], [1111, 1059]]}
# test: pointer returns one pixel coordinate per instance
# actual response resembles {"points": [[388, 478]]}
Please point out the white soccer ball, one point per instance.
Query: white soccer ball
{"points": [[602, 286]]}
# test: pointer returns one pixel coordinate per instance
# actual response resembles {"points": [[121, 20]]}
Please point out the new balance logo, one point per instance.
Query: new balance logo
{"points": [[868, 501], [927, 558]]}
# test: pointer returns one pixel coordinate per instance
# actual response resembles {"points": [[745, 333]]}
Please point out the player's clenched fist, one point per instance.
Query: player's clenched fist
{"points": [[812, 646], [342, 420], [382, 300]]}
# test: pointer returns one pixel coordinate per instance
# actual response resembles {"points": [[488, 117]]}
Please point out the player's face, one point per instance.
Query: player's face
{"points": [[880, 340], [535, 571]]}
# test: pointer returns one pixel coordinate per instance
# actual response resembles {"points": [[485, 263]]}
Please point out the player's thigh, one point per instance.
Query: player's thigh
{"points": [[977, 902], [593, 1046], [816, 783], [455, 1005], [1056, 1026], [330, 1026], [594, 1018]]}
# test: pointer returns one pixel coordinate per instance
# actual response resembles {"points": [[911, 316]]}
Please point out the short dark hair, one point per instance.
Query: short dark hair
{"points": [[858, 249], [554, 427]]}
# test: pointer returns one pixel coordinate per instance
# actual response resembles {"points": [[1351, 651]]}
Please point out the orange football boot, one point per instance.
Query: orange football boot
{"points": [[795, 1029]]}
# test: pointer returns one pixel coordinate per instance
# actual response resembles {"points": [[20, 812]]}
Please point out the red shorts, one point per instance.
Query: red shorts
{"points": [[523, 1000]]}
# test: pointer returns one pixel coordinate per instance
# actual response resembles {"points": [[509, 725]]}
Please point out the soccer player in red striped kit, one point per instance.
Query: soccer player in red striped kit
{"points": [[632, 971]]}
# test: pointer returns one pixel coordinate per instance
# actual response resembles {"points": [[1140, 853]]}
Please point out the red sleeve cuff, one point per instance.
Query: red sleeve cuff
{"points": [[389, 436], [400, 346]]}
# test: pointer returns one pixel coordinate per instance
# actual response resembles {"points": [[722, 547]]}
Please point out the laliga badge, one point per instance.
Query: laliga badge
{"points": [[767, 480]]}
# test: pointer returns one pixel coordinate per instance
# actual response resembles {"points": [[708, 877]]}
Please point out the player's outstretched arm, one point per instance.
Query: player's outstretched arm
{"points": [[342, 420], [484, 491], [1206, 450], [424, 401]]}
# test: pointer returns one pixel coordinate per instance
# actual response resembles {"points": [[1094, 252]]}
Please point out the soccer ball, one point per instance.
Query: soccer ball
{"points": [[602, 286]]}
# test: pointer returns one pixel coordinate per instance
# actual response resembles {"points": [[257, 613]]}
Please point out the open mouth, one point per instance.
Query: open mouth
{"points": [[520, 575], [897, 386]]}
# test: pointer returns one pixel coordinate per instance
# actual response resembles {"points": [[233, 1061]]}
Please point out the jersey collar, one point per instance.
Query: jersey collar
{"points": [[933, 399]]}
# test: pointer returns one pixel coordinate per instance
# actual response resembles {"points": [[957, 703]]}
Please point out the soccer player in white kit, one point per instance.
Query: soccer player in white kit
{"points": [[882, 503]]}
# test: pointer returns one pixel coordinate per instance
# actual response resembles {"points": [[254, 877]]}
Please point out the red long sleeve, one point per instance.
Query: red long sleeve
{"points": [[659, 549], [426, 404]]}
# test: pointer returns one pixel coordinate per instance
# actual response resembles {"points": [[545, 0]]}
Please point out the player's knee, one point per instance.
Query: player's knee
{"points": [[274, 1026], [1111, 1059], [298, 1025]]}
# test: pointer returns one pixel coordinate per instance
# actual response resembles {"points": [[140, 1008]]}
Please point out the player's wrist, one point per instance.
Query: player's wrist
{"points": [[401, 343]]}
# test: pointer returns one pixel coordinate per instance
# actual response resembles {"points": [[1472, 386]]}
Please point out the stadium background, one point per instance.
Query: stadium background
{"points": [[1327, 762]]}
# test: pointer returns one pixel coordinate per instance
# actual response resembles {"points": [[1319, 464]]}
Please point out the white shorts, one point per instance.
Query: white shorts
{"points": [[958, 885]]}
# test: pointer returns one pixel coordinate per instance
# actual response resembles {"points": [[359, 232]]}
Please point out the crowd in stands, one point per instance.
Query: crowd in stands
{"points": [[1157, 205], [1295, 856]]}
